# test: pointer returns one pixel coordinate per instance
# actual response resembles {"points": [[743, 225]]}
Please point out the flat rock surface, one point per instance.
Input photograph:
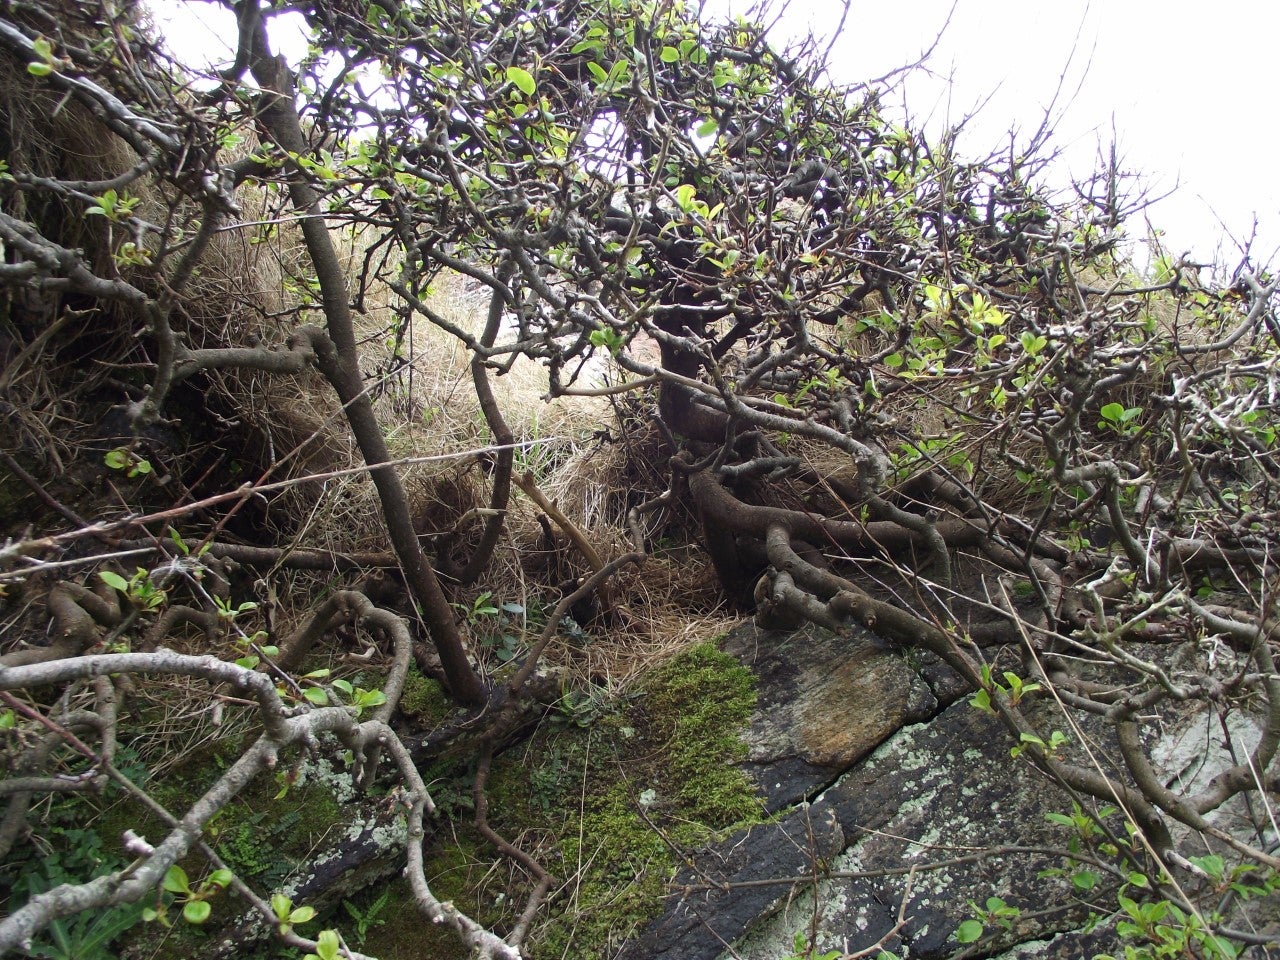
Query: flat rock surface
{"points": [[868, 799], [826, 701], [897, 817]]}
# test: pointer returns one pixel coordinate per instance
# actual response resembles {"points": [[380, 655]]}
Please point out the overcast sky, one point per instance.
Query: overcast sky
{"points": [[1191, 90]]}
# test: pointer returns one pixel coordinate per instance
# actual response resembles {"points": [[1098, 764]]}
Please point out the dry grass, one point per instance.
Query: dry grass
{"points": [[429, 409], [251, 288]]}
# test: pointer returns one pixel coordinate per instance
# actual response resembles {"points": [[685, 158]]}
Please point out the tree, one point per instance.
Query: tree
{"points": [[895, 387]]}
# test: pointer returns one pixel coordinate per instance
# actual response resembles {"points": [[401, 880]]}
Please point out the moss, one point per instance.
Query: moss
{"points": [[424, 699], [622, 867], [666, 759], [404, 933], [698, 704], [264, 837]]}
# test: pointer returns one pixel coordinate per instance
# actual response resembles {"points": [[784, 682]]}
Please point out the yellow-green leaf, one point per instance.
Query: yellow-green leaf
{"points": [[196, 911], [175, 881], [317, 696], [523, 79]]}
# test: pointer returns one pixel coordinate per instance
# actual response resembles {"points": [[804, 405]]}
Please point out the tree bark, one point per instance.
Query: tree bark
{"points": [[338, 362]]}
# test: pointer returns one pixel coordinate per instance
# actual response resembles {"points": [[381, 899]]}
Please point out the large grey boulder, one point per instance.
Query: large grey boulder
{"points": [[894, 814], [899, 811]]}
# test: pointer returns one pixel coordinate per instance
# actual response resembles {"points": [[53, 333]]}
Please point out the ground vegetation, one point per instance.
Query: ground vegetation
{"points": [[850, 374]]}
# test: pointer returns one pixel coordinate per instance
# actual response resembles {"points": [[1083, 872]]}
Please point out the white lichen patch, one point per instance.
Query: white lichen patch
{"points": [[319, 770], [776, 936], [384, 834]]}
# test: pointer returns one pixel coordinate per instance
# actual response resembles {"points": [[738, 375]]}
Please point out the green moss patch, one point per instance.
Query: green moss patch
{"points": [[604, 795], [424, 699]]}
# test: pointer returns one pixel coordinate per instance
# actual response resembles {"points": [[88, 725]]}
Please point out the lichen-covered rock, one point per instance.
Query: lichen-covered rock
{"points": [[825, 701], [730, 887], [946, 792], [837, 723]]}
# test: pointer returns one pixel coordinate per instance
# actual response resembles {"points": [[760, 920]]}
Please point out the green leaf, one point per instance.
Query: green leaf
{"points": [[1084, 879], [523, 79], [39, 69], [597, 71], [280, 905], [982, 701], [114, 580], [371, 698], [669, 55], [1032, 343], [117, 459], [1216, 946], [220, 878], [607, 338], [707, 127], [196, 911], [175, 881], [327, 945], [969, 932], [317, 695], [176, 538], [1214, 866], [1113, 412], [302, 915], [344, 686]]}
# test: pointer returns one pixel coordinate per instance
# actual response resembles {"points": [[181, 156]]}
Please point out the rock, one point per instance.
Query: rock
{"points": [[366, 849], [933, 794], [915, 835], [838, 723], [825, 701], [729, 888], [920, 818]]}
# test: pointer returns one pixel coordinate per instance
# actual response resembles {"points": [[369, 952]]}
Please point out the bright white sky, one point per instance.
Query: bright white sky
{"points": [[1190, 89]]}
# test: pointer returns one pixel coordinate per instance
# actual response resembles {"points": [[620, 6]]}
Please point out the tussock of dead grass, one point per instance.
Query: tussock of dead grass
{"points": [[669, 603], [428, 408]]}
